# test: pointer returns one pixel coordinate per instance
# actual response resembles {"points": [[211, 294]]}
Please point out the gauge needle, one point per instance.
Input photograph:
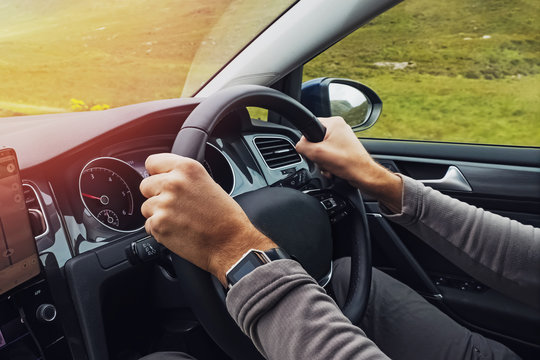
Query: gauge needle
{"points": [[91, 196]]}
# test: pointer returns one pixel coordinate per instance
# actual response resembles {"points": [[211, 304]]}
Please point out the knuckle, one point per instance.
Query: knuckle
{"points": [[159, 224], [167, 200], [172, 183], [192, 168], [336, 121], [315, 152]]}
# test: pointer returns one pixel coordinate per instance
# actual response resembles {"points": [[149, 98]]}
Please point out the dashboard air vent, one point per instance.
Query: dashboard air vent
{"points": [[277, 152], [35, 211]]}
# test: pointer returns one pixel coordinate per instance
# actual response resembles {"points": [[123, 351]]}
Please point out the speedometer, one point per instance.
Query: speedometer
{"points": [[109, 190]]}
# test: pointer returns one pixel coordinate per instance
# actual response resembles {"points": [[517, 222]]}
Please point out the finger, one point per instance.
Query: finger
{"points": [[301, 144], [153, 185], [162, 163], [325, 121], [148, 207], [330, 122], [305, 147], [148, 226]]}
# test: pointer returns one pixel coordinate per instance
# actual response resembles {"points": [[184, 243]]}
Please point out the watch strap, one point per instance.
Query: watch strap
{"points": [[277, 254]]}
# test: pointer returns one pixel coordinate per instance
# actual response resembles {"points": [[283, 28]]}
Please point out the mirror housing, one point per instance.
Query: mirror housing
{"points": [[356, 103]]}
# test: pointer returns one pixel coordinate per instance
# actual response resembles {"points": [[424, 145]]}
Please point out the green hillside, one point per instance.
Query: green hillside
{"points": [[471, 70]]}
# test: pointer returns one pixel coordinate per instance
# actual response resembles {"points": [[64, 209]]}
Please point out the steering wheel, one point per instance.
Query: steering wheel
{"points": [[294, 220]]}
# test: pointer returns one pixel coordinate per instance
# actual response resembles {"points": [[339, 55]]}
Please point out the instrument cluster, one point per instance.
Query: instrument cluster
{"points": [[109, 188]]}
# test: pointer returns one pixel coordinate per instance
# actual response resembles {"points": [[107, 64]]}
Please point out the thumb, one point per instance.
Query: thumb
{"points": [[302, 144]]}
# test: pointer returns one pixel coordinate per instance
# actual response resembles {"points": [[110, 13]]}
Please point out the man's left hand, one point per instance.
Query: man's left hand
{"points": [[193, 216]]}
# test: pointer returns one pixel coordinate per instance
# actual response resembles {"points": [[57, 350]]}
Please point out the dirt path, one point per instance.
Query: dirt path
{"points": [[27, 109]]}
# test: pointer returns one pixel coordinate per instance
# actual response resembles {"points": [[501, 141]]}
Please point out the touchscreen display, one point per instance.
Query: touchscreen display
{"points": [[18, 254]]}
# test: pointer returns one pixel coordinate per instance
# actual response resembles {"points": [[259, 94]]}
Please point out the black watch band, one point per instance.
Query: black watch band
{"points": [[251, 260], [277, 254]]}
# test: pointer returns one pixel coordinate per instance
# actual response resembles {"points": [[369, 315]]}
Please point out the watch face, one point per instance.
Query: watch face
{"points": [[244, 267]]}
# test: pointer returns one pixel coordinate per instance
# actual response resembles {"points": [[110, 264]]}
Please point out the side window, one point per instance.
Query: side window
{"points": [[457, 71]]}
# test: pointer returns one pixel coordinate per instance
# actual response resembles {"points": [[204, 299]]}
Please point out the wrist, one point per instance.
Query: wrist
{"points": [[380, 183], [224, 258], [391, 193]]}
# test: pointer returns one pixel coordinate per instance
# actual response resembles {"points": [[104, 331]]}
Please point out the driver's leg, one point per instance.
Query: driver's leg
{"points": [[406, 326]]}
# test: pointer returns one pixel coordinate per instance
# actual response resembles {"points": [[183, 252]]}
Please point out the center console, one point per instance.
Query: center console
{"points": [[29, 325]]}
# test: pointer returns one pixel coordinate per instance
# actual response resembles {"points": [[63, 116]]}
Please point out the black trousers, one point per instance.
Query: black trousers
{"points": [[404, 325]]}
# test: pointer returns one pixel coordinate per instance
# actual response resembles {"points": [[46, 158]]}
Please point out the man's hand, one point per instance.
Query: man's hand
{"points": [[342, 155], [192, 216]]}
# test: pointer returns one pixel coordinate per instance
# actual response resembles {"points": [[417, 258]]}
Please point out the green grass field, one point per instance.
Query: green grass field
{"points": [[473, 72]]}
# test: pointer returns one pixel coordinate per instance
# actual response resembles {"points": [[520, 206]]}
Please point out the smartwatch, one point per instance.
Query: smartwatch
{"points": [[251, 260]]}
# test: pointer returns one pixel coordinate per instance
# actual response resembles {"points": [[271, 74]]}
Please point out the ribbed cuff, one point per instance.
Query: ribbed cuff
{"points": [[270, 282]]}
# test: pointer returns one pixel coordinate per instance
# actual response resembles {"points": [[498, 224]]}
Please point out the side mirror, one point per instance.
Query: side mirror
{"points": [[356, 103]]}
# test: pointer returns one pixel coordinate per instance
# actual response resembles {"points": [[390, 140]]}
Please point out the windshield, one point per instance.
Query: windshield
{"points": [[72, 55]]}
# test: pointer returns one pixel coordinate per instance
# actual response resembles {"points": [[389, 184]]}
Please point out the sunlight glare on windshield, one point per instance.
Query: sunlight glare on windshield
{"points": [[62, 56]]}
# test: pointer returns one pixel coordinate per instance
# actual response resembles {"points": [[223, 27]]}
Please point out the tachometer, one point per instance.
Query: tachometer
{"points": [[109, 189]]}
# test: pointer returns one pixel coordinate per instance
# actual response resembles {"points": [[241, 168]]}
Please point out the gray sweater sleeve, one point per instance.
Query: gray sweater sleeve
{"points": [[502, 253], [288, 315]]}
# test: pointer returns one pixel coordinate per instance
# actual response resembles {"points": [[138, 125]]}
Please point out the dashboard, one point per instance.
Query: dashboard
{"points": [[107, 201], [85, 200]]}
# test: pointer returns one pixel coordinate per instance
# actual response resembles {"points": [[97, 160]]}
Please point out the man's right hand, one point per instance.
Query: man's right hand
{"points": [[341, 154]]}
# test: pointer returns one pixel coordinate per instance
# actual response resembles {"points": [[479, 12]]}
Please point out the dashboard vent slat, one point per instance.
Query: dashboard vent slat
{"points": [[277, 152]]}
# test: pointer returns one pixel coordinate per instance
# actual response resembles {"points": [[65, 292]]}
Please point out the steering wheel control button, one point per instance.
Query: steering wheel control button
{"points": [[46, 313], [295, 181], [288, 171], [144, 250], [329, 204], [336, 207]]}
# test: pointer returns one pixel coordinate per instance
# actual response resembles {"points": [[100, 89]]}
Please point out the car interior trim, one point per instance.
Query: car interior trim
{"points": [[228, 163], [42, 209], [325, 280], [434, 151], [452, 180]]}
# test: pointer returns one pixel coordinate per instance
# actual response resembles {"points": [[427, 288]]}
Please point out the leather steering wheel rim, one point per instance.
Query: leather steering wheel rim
{"points": [[198, 285]]}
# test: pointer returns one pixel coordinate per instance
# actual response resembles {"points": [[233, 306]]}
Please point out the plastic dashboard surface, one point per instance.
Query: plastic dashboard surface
{"points": [[87, 192]]}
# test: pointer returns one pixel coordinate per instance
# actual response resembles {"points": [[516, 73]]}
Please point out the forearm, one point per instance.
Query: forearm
{"points": [[381, 184], [500, 252], [288, 316]]}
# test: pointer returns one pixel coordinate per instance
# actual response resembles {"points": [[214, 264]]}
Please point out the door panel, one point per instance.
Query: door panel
{"points": [[503, 180]]}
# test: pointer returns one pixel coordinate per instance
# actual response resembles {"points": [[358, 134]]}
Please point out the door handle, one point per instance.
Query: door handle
{"points": [[452, 180]]}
